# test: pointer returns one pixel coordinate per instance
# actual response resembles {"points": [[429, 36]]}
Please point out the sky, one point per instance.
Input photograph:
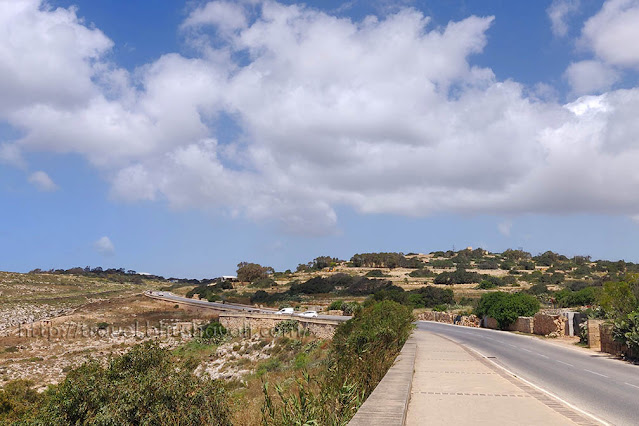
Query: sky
{"points": [[181, 138]]}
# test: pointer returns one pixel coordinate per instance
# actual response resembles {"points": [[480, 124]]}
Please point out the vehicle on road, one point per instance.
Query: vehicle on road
{"points": [[309, 314], [285, 311]]}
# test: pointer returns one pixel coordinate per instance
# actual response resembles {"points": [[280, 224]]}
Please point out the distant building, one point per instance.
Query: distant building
{"points": [[231, 278]]}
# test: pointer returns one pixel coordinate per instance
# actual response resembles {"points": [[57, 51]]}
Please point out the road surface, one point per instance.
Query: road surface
{"points": [[170, 297], [603, 387]]}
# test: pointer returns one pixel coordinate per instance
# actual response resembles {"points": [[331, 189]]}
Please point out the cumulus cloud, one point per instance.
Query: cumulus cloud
{"points": [[613, 32], [558, 12], [224, 15], [104, 246], [42, 181], [383, 115], [590, 76]]}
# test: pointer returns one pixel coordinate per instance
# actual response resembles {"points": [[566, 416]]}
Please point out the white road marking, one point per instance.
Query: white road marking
{"points": [[598, 374], [565, 363], [630, 384], [597, 419], [524, 349], [543, 356]]}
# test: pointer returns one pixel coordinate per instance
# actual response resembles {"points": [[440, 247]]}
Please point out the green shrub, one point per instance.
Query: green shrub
{"points": [[336, 305], [362, 350], [375, 273], [286, 327], [506, 307], [485, 285], [459, 276], [214, 332], [421, 273], [626, 330], [147, 385], [586, 296], [440, 308], [263, 283], [17, 400]]}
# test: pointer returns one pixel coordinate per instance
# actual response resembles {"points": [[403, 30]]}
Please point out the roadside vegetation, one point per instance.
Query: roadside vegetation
{"points": [[288, 378]]}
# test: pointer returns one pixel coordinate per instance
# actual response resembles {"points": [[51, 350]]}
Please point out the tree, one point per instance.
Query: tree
{"points": [[249, 272], [617, 299]]}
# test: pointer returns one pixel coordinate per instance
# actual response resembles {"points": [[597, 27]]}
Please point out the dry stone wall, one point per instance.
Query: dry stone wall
{"points": [[449, 318], [523, 325], [264, 324], [544, 324]]}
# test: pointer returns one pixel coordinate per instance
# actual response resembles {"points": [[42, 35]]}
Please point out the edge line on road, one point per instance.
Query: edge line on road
{"points": [[539, 388]]}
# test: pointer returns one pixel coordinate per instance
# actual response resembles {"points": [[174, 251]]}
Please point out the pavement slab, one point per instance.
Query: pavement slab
{"points": [[454, 385]]}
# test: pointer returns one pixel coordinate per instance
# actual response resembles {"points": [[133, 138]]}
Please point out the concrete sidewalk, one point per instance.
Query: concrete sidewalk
{"points": [[453, 385]]}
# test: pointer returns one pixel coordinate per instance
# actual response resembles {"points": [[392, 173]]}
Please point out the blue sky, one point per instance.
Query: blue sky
{"points": [[183, 138]]}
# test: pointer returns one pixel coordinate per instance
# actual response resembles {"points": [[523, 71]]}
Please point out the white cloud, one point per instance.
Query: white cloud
{"points": [[104, 246], [590, 76], [224, 15], [42, 181], [505, 227], [613, 32], [10, 154], [383, 115], [558, 12]]}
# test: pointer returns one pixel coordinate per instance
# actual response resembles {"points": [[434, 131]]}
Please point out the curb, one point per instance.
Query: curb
{"points": [[388, 404]]}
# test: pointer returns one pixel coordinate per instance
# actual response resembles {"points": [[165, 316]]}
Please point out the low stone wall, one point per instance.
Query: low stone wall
{"points": [[608, 344], [594, 340], [449, 318], [264, 324], [544, 324], [523, 325]]}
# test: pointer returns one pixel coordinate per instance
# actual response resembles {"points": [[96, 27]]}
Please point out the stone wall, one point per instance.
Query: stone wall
{"points": [[544, 324], [449, 318], [523, 325], [594, 340], [608, 344], [264, 324]]}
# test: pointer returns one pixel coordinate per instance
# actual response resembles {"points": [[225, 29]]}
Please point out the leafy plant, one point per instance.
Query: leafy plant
{"points": [[506, 307]]}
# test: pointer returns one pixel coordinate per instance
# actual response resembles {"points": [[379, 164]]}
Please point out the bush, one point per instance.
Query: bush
{"points": [[459, 276], [488, 264], [421, 273], [316, 285], [431, 296], [441, 263], [506, 307], [537, 289], [144, 386], [263, 283], [586, 296], [618, 299], [362, 350], [336, 305], [485, 285], [626, 331], [214, 331], [361, 286], [17, 399], [375, 273]]}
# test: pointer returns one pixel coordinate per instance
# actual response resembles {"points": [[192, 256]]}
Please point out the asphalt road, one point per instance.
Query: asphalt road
{"points": [[603, 387], [165, 295]]}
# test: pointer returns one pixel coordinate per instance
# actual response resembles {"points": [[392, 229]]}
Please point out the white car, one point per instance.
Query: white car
{"points": [[285, 311], [309, 314]]}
